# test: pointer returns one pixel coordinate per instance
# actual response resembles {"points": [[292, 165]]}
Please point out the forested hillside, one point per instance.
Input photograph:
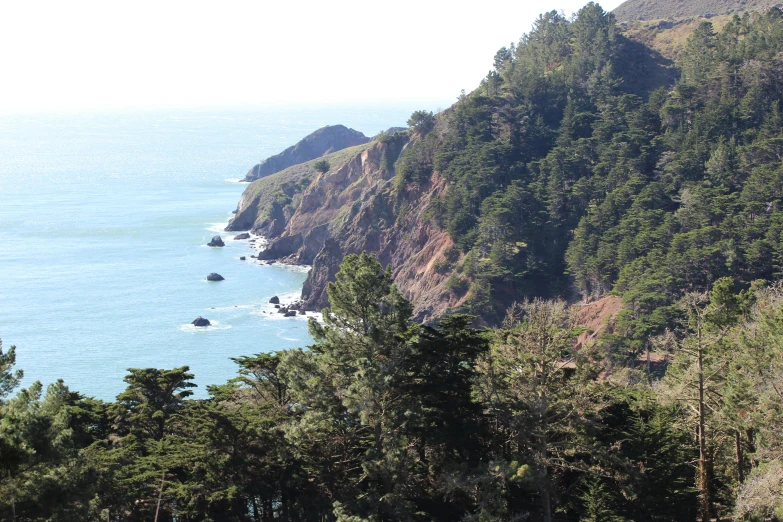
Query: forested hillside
{"points": [[583, 165], [570, 174], [579, 168]]}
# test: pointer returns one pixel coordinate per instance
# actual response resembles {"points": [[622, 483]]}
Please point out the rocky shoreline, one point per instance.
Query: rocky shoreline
{"points": [[258, 244]]}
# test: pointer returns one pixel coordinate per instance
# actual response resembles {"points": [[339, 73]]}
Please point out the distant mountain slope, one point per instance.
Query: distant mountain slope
{"points": [[323, 141], [663, 9]]}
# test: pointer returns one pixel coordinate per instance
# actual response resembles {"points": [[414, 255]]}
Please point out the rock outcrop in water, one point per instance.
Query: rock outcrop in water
{"points": [[201, 322], [323, 141], [215, 277], [217, 241]]}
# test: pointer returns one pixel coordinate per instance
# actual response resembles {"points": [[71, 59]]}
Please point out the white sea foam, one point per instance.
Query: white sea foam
{"points": [[292, 268], [234, 307], [276, 316], [234, 180], [217, 227], [289, 297]]}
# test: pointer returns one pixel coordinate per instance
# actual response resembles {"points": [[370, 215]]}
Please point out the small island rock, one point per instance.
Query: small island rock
{"points": [[290, 313], [275, 300], [200, 321], [217, 241], [215, 277], [244, 235], [241, 258]]}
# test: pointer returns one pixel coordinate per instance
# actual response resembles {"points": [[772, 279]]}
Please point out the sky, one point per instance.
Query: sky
{"points": [[82, 55]]}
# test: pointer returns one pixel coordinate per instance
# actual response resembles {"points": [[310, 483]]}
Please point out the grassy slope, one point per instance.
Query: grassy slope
{"points": [[668, 9], [666, 36], [286, 186], [665, 25]]}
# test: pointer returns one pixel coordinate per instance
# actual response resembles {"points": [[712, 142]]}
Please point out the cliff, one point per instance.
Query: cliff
{"points": [[268, 203], [351, 208], [323, 141]]}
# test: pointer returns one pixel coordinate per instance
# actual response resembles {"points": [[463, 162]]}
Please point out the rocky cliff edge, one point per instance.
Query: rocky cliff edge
{"points": [[316, 219]]}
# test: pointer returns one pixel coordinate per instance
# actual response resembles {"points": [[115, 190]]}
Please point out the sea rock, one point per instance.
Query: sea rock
{"points": [[241, 258], [215, 277], [290, 313], [217, 241], [275, 300], [277, 306], [301, 311], [243, 235], [201, 322]]}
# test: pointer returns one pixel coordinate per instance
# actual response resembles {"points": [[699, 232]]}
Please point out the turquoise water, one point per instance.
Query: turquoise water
{"points": [[103, 224]]}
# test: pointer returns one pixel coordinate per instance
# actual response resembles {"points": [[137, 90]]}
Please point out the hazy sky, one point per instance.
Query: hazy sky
{"points": [[78, 55]]}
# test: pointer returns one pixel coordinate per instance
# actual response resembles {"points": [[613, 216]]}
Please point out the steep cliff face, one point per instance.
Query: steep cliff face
{"points": [[268, 203], [323, 141], [354, 207]]}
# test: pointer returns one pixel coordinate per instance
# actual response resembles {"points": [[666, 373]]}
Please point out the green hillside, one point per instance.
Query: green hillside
{"points": [[574, 169]]}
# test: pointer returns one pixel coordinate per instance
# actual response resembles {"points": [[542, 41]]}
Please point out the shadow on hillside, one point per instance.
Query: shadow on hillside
{"points": [[643, 69]]}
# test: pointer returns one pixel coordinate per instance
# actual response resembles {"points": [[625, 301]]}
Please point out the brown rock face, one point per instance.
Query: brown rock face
{"points": [[355, 207], [598, 317]]}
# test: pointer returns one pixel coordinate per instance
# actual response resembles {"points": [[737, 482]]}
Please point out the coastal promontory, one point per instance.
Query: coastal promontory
{"points": [[323, 141]]}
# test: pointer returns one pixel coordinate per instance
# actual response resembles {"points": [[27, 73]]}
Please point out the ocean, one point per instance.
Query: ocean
{"points": [[104, 220]]}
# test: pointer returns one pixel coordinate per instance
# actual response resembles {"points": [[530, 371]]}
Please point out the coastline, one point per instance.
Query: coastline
{"points": [[289, 301], [128, 208], [258, 244]]}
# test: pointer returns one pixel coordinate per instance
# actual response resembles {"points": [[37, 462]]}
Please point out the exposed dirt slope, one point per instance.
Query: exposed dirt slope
{"points": [[353, 207], [598, 317]]}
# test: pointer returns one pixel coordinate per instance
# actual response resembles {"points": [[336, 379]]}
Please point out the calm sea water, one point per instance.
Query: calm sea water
{"points": [[103, 224]]}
